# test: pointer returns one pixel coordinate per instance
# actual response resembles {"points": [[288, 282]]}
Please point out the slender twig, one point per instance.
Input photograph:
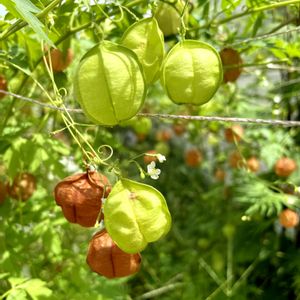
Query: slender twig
{"points": [[160, 291], [283, 24], [217, 291], [245, 275], [171, 117], [256, 10], [203, 264], [229, 271], [255, 64], [264, 36]]}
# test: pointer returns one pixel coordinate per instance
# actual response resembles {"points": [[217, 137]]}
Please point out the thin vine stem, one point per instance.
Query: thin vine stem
{"points": [[256, 10], [264, 36], [68, 120]]}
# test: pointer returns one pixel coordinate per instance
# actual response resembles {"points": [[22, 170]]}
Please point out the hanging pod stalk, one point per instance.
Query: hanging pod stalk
{"points": [[147, 41], [109, 84], [135, 215], [168, 17], [191, 72]]}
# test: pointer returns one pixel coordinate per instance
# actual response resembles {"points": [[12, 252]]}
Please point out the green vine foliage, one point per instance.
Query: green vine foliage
{"points": [[226, 239]]}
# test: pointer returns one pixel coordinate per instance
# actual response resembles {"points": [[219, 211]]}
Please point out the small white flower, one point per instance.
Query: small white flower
{"points": [[152, 171], [291, 200], [161, 158]]}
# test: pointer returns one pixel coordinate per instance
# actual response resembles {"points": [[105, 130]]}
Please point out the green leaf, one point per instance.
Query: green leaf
{"points": [[25, 10], [52, 242], [228, 6], [257, 24], [12, 161], [248, 189], [3, 275], [17, 294], [37, 289], [16, 281]]}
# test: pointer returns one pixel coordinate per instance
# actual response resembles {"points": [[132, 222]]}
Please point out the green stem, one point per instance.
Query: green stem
{"points": [[244, 276], [20, 23], [229, 271], [3, 296], [283, 24], [257, 9], [97, 20], [235, 66]]}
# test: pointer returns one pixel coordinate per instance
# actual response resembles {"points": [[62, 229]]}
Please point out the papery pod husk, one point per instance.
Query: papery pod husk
{"points": [[168, 17], [135, 215], [3, 191], [109, 84], [3, 86], [107, 259], [23, 186], [231, 57], [192, 72], [147, 41], [80, 195]]}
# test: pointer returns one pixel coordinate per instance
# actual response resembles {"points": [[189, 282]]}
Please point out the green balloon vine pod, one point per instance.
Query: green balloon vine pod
{"points": [[168, 17], [192, 72], [147, 41], [109, 84], [135, 214]]}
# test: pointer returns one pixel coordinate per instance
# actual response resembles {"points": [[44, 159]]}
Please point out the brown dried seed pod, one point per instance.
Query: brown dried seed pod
{"points": [[80, 195], [106, 258], [148, 159], [231, 57], [193, 157], [23, 186], [3, 191], [59, 60], [253, 164], [220, 174], [285, 166], [288, 218], [3, 86], [234, 133], [236, 160]]}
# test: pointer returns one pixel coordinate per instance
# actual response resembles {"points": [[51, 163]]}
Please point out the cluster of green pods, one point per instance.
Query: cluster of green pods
{"points": [[111, 80]]}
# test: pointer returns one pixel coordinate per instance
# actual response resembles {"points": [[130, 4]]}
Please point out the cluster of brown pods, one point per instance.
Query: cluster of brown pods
{"points": [[80, 197]]}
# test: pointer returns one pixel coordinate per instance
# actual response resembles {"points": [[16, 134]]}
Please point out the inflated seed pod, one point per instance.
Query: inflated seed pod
{"points": [[168, 17], [106, 258], [109, 84], [3, 190], [147, 41], [3, 86], [231, 58], [80, 195], [191, 72], [135, 215], [23, 186]]}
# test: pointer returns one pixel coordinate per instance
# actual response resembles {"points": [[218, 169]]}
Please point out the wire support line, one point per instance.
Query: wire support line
{"points": [[170, 116]]}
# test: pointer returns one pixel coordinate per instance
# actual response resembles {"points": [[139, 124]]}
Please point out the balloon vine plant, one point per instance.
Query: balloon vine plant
{"points": [[110, 85]]}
